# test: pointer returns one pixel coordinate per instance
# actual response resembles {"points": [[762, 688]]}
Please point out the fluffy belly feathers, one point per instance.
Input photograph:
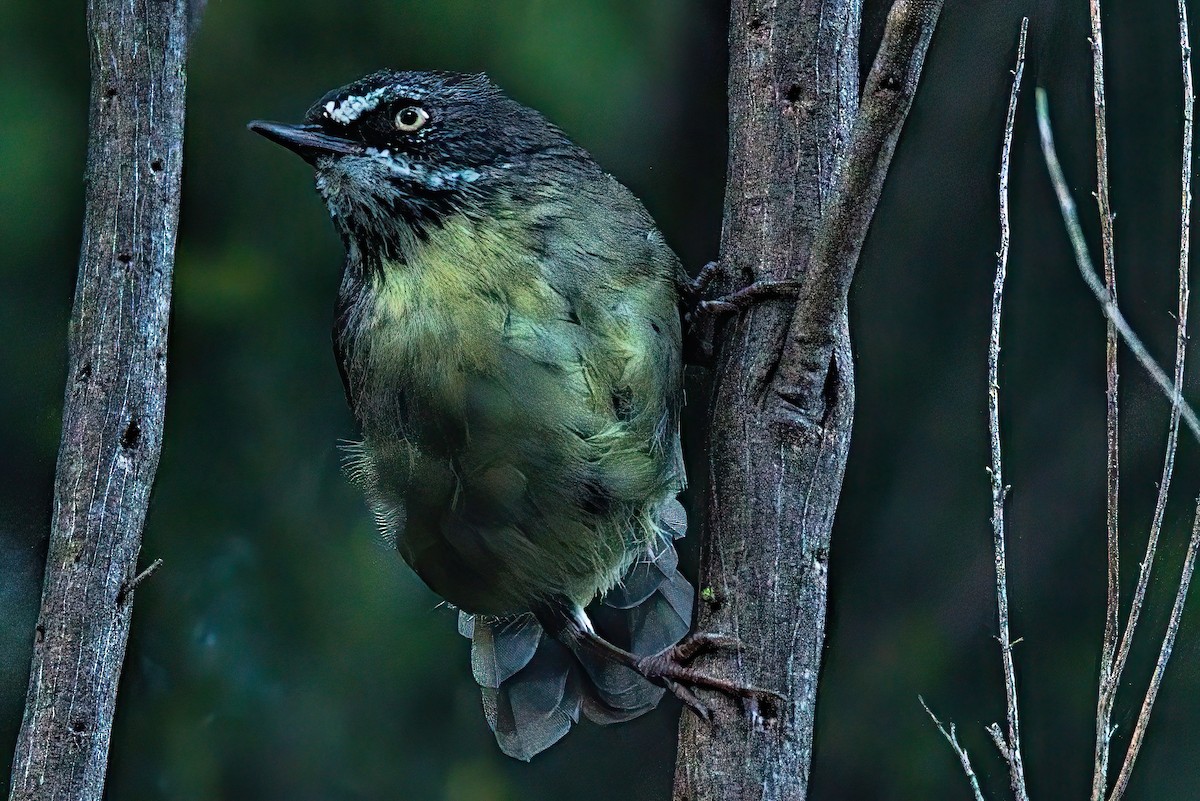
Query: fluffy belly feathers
{"points": [[494, 453]]}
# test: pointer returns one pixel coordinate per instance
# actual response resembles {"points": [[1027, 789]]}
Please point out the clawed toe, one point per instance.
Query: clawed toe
{"points": [[695, 287], [691, 700], [671, 669], [737, 300], [749, 295], [699, 643]]}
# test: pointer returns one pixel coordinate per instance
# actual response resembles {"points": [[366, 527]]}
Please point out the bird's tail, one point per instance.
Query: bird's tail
{"points": [[535, 687]]}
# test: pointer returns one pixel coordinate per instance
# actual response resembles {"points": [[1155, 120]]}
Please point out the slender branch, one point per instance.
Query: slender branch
{"points": [[963, 758], [1012, 746], [1164, 484], [1160, 505], [887, 98], [1084, 262], [1178, 403], [1164, 656], [997, 736], [114, 399], [1107, 685], [126, 592]]}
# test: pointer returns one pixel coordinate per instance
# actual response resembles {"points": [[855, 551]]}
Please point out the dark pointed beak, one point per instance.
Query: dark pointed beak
{"points": [[307, 141]]}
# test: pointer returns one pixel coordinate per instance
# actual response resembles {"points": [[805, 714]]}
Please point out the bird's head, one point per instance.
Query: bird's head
{"points": [[395, 153]]}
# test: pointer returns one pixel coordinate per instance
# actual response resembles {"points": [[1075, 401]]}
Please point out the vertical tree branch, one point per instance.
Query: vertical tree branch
{"points": [[1113, 313], [1107, 684], [115, 394], [1160, 505], [805, 172], [793, 96], [1164, 484], [887, 96], [1012, 745]]}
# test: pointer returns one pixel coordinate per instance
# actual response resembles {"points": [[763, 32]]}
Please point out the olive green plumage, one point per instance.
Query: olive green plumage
{"points": [[509, 337], [517, 380]]}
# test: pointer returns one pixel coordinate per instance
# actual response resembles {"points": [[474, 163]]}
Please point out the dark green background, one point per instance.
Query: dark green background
{"points": [[282, 653]]}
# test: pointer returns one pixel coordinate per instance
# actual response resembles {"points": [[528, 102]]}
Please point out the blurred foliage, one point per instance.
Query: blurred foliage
{"points": [[282, 652]]}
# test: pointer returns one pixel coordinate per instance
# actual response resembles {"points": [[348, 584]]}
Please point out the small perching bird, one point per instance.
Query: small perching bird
{"points": [[508, 335]]}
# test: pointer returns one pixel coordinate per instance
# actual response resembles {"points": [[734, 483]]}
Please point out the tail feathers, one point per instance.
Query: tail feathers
{"points": [[501, 648], [664, 618], [535, 708], [612, 692], [535, 687]]}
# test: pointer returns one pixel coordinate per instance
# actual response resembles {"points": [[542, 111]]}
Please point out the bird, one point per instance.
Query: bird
{"points": [[508, 334]]}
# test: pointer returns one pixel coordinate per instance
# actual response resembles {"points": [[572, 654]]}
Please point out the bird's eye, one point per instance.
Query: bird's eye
{"points": [[411, 118]]}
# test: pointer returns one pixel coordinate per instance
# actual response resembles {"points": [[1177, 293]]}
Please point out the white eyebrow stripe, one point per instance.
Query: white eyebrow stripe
{"points": [[350, 108]]}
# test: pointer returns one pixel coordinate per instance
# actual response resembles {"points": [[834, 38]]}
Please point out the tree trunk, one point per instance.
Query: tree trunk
{"points": [[114, 400], [806, 166]]}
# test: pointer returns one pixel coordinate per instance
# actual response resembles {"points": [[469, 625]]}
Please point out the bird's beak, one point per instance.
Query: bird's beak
{"points": [[306, 141]]}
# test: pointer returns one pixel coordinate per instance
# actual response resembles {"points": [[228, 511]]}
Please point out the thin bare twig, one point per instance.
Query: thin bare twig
{"points": [[1010, 747], [1084, 262], [127, 591], [1164, 656], [952, 738], [1107, 685], [1113, 312], [1164, 485], [1160, 505]]}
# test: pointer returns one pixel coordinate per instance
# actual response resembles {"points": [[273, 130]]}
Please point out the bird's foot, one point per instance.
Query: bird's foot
{"points": [[745, 297], [700, 312], [672, 668], [696, 306], [692, 289]]}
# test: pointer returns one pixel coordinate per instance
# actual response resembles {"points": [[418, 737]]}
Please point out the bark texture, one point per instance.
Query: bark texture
{"points": [[114, 400], [806, 167]]}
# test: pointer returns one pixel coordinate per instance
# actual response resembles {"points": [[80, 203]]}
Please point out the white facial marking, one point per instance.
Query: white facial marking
{"points": [[351, 108], [433, 178]]}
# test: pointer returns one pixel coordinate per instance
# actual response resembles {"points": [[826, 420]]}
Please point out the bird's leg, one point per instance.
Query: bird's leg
{"points": [[671, 668]]}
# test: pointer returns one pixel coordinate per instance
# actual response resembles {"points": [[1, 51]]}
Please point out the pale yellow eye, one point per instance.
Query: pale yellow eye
{"points": [[411, 118]]}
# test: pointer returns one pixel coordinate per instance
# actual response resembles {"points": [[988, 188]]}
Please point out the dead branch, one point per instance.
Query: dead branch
{"points": [[1107, 685], [1164, 486], [1113, 313], [963, 758], [1010, 747], [115, 396], [1160, 666]]}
